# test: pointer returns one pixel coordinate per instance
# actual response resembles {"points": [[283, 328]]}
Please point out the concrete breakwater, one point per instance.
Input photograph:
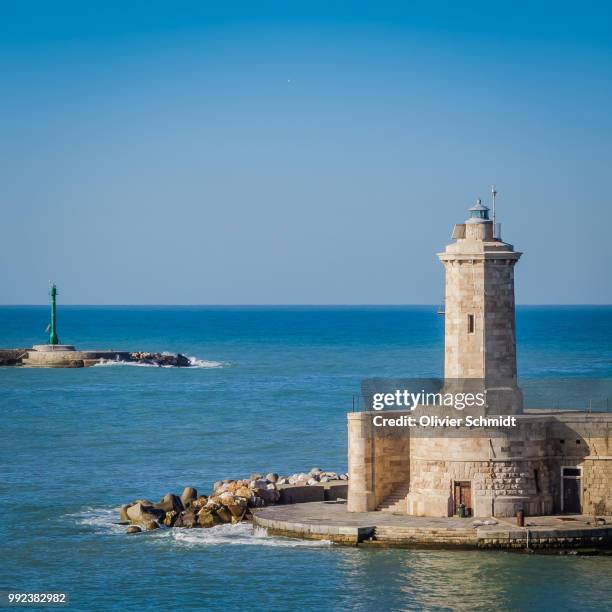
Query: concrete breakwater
{"points": [[232, 501], [67, 356]]}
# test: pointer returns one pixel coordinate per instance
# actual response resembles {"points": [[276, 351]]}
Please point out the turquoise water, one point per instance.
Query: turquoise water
{"points": [[271, 393]]}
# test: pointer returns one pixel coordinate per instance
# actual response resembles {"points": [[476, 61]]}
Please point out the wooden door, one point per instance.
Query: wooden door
{"points": [[571, 501], [571, 495], [463, 495]]}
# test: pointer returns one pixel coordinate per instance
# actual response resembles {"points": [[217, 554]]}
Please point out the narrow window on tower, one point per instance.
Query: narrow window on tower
{"points": [[470, 324]]}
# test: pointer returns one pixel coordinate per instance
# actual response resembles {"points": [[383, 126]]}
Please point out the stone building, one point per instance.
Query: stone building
{"points": [[549, 462]]}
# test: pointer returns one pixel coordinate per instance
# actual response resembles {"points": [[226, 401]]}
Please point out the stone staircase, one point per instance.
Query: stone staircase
{"points": [[395, 503]]}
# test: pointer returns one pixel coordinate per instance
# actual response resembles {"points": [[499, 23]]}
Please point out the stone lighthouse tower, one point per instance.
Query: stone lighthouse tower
{"points": [[480, 338]]}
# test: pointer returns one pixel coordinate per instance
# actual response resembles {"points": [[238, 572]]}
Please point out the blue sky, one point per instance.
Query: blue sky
{"points": [[299, 153]]}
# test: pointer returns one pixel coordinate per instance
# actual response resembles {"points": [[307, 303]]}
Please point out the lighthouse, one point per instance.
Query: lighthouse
{"points": [[480, 330]]}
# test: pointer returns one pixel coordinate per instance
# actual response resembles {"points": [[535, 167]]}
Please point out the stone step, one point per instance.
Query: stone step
{"points": [[395, 501]]}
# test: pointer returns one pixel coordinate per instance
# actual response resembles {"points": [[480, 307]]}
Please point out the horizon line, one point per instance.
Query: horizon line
{"points": [[278, 305]]}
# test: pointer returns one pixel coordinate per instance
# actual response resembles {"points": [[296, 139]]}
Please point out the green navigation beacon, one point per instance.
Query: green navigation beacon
{"points": [[53, 339]]}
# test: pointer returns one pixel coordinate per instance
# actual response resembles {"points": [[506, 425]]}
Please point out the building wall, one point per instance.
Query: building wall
{"points": [[514, 469], [378, 461]]}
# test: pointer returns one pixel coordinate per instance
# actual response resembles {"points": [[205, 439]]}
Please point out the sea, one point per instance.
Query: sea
{"points": [[269, 391]]}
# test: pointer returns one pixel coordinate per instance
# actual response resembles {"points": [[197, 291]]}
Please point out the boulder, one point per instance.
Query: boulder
{"points": [[150, 525], [200, 502], [212, 504], [255, 477], [186, 519], [269, 496], [238, 508], [188, 495], [224, 514], [170, 518], [271, 487], [226, 498], [123, 517], [312, 481], [315, 471], [343, 476], [205, 518], [258, 484], [216, 485], [282, 481], [182, 361], [243, 492], [139, 513], [134, 529], [170, 502], [272, 477]]}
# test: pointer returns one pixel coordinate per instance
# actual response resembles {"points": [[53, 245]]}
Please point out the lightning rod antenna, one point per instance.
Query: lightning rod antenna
{"points": [[494, 194]]}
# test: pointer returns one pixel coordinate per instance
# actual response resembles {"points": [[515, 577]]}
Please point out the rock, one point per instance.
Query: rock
{"points": [[151, 525], [258, 484], [224, 514], [312, 481], [205, 518], [186, 519], [272, 477], [139, 513], [315, 471], [255, 477], [216, 485], [200, 502], [123, 517], [170, 502], [182, 361], [325, 479], [243, 492], [283, 481], [188, 495], [269, 496], [212, 504], [170, 518], [226, 498], [271, 487], [159, 359], [238, 508], [343, 476], [134, 529]]}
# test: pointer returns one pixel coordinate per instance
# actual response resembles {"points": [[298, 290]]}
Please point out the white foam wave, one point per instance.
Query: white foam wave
{"points": [[194, 362], [106, 363], [105, 521], [100, 520], [204, 363], [242, 534]]}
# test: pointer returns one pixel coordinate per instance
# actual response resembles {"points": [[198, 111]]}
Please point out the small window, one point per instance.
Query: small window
{"points": [[470, 324], [536, 478]]}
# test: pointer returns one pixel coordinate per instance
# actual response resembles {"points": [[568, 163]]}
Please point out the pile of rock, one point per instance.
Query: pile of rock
{"points": [[231, 501], [160, 359], [314, 477]]}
